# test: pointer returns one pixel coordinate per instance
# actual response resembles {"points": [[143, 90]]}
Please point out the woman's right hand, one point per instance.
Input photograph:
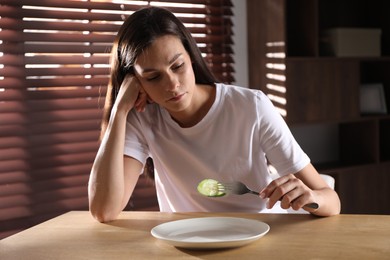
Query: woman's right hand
{"points": [[131, 94]]}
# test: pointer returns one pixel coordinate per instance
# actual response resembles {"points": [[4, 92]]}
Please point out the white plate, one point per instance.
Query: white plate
{"points": [[210, 232]]}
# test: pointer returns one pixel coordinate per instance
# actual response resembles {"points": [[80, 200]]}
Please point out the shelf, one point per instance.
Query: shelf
{"points": [[356, 14], [322, 89], [308, 19], [384, 136]]}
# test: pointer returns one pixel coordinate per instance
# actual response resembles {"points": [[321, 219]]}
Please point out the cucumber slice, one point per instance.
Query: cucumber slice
{"points": [[209, 188]]}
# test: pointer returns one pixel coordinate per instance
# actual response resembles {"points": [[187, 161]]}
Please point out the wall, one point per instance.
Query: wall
{"points": [[240, 43]]}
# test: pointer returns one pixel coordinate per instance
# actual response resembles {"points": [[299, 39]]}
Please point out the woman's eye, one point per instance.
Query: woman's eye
{"points": [[176, 67], [151, 78]]}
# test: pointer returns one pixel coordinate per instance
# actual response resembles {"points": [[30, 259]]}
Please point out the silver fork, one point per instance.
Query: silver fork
{"points": [[240, 188]]}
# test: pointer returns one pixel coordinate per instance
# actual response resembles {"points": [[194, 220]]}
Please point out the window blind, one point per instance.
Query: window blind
{"points": [[53, 73]]}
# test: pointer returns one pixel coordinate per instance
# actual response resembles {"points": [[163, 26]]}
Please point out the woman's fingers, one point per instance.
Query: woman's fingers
{"points": [[274, 186], [291, 191], [131, 94], [128, 93], [294, 199], [280, 188], [141, 101]]}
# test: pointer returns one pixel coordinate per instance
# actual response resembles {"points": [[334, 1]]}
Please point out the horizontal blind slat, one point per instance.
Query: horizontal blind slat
{"points": [[49, 116], [15, 94], [58, 82], [20, 165], [19, 60], [51, 139], [77, 36], [57, 48], [18, 25], [42, 197], [44, 208], [47, 151], [34, 187], [52, 104], [59, 171], [15, 72]]}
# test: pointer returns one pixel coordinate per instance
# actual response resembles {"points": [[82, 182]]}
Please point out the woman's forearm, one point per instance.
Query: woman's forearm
{"points": [[106, 183]]}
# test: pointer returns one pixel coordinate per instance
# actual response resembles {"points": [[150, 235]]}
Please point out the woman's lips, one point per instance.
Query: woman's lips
{"points": [[176, 98]]}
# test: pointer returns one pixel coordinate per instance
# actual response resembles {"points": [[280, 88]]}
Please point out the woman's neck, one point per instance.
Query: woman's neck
{"points": [[203, 99]]}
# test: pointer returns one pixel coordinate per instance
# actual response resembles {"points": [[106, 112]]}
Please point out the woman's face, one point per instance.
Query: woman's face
{"points": [[165, 72]]}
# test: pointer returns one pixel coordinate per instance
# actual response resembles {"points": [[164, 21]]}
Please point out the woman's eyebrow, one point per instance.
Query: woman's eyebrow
{"points": [[174, 58]]}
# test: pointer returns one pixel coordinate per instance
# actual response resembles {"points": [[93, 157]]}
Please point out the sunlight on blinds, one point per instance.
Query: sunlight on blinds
{"points": [[276, 75]]}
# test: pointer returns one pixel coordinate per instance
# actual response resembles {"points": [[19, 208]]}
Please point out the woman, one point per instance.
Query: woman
{"points": [[163, 102]]}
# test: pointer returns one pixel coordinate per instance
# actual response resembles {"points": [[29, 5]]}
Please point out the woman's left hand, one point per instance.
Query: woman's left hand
{"points": [[291, 192]]}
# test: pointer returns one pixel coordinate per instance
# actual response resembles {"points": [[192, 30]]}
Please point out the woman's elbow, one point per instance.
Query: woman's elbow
{"points": [[102, 215]]}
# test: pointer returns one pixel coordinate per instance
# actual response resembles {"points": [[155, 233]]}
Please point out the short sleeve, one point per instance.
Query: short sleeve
{"points": [[135, 144], [279, 145]]}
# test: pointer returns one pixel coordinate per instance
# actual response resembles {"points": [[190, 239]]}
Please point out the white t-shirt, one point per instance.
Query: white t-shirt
{"points": [[230, 143]]}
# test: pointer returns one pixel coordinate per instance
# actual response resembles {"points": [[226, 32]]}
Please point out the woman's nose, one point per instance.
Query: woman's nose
{"points": [[172, 82]]}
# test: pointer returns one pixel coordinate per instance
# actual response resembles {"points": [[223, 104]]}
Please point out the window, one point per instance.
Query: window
{"points": [[53, 73]]}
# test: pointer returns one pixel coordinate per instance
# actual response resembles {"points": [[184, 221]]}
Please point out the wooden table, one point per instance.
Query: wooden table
{"points": [[76, 235]]}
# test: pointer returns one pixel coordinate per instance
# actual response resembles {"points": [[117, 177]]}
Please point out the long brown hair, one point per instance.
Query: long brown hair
{"points": [[137, 33]]}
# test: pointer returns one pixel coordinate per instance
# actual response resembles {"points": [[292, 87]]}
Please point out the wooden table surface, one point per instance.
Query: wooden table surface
{"points": [[76, 235]]}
